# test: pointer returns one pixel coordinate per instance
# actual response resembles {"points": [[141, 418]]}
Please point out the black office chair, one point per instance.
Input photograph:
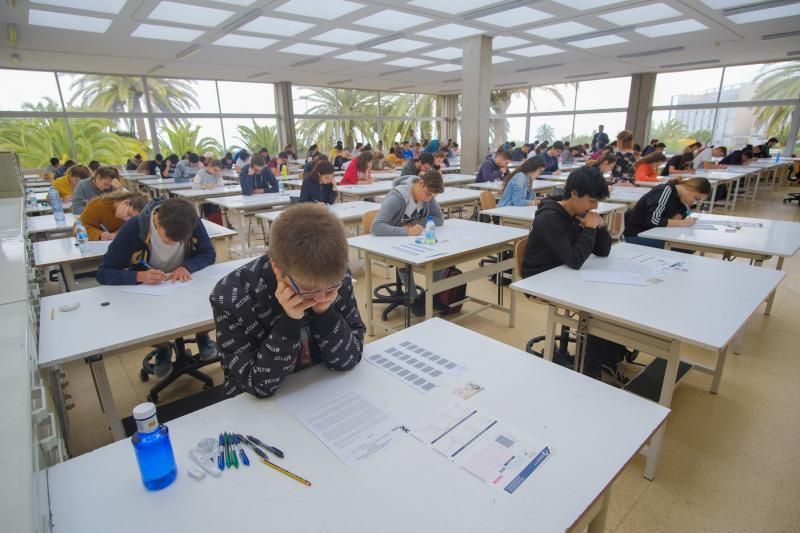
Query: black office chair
{"points": [[184, 364]]}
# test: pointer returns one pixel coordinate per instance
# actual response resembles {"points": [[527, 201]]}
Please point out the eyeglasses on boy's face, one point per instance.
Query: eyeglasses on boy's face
{"points": [[314, 294]]}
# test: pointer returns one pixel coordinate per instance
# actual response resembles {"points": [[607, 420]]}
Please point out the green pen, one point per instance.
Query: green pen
{"points": [[228, 462], [234, 458]]}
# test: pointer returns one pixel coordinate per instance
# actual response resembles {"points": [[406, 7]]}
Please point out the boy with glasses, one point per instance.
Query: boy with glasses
{"points": [[290, 309]]}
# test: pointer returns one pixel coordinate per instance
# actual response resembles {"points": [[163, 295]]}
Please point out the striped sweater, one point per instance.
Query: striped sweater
{"points": [[654, 209]]}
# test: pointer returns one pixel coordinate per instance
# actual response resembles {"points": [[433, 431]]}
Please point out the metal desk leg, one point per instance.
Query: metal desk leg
{"points": [[409, 297], [550, 332], [718, 370], [241, 229], [713, 197], [598, 523], [98, 369], [738, 340], [771, 298], [512, 311], [368, 289], [428, 291], [667, 387]]}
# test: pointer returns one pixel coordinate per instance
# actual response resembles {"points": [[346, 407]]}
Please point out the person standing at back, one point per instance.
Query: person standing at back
{"points": [[600, 139]]}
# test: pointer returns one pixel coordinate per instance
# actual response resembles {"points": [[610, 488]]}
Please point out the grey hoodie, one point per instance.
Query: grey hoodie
{"points": [[399, 210]]}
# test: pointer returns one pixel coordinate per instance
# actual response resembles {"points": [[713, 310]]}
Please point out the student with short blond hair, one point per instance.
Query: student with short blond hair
{"points": [[290, 309]]}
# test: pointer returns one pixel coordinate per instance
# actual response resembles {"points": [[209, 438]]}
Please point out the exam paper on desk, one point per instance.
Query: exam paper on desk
{"points": [[165, 288], [637, 269]]}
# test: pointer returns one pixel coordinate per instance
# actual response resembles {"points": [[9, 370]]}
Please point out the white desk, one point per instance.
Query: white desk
{"points": [[130, 320], [522, 216], [460, 241], [454, 180], [626, 195], [656, 318], [240, 207], [350, 213], [775, 238], [715, 177], [367, 190], [396, 488], [47, 225], [66, 254], [539, 186], [45, 209], [200, 196], [455, 198]]}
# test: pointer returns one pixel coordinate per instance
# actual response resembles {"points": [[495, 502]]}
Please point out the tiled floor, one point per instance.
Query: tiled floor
{"points": [[730, 461]]}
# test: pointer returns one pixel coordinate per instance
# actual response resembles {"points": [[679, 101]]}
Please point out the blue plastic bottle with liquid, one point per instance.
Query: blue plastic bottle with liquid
{"points": [[153, 448]]}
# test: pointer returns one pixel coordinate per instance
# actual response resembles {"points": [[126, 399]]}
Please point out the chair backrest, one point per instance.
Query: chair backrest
{"points": [[488, 200], [366, 222], [519, 254]]}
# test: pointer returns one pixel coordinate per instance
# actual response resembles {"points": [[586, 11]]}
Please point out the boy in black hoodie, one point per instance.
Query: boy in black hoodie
{"points": [[567, 232]]}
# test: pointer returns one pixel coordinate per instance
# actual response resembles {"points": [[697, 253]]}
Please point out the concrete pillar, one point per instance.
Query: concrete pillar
{"points": [[476, 79], [284, 107], [447, 115], [639, 101]]}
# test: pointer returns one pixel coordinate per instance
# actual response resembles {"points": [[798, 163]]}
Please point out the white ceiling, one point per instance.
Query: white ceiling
{"points": [[349, 28]]}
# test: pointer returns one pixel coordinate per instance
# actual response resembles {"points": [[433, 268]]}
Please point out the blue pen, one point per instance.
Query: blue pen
{"points": [[221, 458], [144, 264], [102, 227], [243, 455]]}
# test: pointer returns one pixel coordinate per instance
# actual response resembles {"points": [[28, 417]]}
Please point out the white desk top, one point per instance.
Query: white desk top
{"points": [[11, 217], [255, 201], [666, 308], [496, 186], [345, 211], [135, 176], [746, 169], [396, 487], [367, 189], [167, 185], [457, 236], [527, 212], [457, 179], [47, 223], [454, 195], [130, 319], [626, 195], [382, 175], [195, 194], [776, 237]]}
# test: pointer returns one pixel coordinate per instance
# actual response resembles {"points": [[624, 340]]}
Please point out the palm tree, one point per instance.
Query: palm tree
{"points": [[183, 138], [545, 132], [258, 137], [38, 139], [124, 94], [781, 82], [403, 108], [501, 100], [671, 132], [343, 103]]}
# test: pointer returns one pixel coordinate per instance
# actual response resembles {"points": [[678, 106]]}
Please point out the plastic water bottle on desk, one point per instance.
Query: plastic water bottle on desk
{"points": [[153, 448], [430, 231], [55, 203], [82, 237], [280, 186], [31, 200], [778, 158]]}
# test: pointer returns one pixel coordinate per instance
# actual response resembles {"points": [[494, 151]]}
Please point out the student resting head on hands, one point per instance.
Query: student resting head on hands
{"points": [[104, 215], [518, 188], [291, 309], [319, 186], [647, 166], [210, 176], [418, 167], [666, 205], [104, 180], [494, 167]]}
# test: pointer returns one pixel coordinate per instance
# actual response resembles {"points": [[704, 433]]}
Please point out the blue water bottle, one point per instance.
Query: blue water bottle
{"points": [[55, 204], [153, 448], [430, 231], [280, 186], [778, 158]]}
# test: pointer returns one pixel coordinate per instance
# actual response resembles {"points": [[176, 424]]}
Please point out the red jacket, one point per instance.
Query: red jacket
{"points": [[351, 174]]}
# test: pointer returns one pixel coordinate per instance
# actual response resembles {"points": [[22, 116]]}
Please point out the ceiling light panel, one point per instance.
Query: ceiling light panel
{"points": [[189, 14], [779, 12], [450, 52], [538, 50], [584, 5], [321, 9], [605, 40], [447, 67], [308, 49], [461, 7], [409, 62], [166, 33], [237, 3], [343, 36], [401, 45], [244, 41], [65, 21], [499, 43], [515, 17], [275, 26], [724, 4], [500, 59], [671, 28], [449, 32], [392, 20], [638, 15], [360, 55], [102, 6], [558, 31]]}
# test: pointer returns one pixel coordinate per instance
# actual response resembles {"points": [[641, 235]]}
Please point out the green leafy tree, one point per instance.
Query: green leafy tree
{"points": [[500, 101], [701, 135], [329, 102], [671, 132], [182, 138], [546, 132], [582, 139], [124, 94], [774, 82], [256, 137]]}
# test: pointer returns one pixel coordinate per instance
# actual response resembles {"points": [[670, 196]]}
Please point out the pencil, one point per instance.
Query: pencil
{"points": [[52, 313], [286, 472]]}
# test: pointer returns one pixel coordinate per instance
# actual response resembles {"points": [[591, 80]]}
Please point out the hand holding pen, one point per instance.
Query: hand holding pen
{"points": [[151, 276]]}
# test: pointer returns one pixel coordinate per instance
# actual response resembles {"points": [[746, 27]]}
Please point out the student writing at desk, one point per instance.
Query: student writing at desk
{"points": [[518, 189], [551, 157], [290, 309], [166, 242], [647, 166], [256, 178], [66, 184], [494, 168], [418, 167], [106, 214], [105, 180], [567, 232], [319, 186], [665, 205], [358, 170]]}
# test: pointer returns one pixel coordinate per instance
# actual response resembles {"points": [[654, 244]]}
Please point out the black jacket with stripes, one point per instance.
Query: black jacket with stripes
{"points": [[654, 209]]}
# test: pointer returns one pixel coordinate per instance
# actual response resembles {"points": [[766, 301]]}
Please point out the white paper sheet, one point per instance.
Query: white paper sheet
{"points": [[165, 288], [637, 269], [483, 446], [701, 226], [349, 424], [419, 250], [606, 276], [729, 223], [416, 366]]}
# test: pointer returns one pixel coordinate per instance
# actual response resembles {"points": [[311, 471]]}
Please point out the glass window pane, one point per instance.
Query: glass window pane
{"points": [[315, 101], [551, 128], [103, 92], [506, 130], [35, 140], [241, 97], [558, 97], [398, 104], [197, 135], [738, 126], [772, 81], [252, 134], [679, 128], [691, 87], [170, 95], [29, 91], [425, 105], [321, 131], [353, 102], [586, 125], [509, 101], [103, 140], [603, 94]]}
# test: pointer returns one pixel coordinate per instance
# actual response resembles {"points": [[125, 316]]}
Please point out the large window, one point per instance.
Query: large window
{"points": [[730, 106]]}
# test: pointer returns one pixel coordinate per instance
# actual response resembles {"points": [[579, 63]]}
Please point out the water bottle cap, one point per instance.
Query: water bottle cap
{"points": [[143, 411]]}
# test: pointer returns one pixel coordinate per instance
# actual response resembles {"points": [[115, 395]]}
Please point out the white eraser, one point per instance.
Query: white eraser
{"points": [[69, 307], [196, 473]]}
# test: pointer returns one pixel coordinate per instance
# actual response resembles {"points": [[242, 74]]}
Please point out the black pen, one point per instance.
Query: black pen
{"points": [[261, 454], [272, 449]]}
